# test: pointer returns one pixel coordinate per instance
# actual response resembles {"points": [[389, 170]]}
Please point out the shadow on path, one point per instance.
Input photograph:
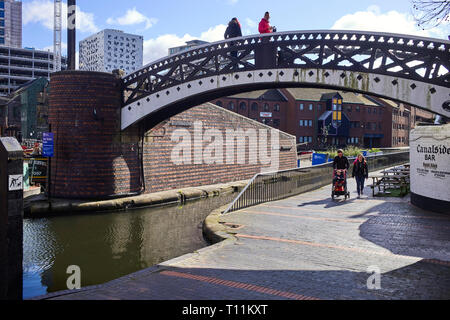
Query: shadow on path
{"points": [[421, 280]]}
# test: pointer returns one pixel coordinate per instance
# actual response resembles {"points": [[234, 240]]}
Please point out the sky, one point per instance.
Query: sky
{"points": [[170, 23]]}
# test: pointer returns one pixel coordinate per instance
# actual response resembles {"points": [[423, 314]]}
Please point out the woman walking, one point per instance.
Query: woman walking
{"points": [[360, 173]]}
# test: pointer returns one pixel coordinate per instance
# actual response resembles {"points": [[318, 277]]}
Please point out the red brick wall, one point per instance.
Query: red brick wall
{"points": [[90, 160], [162, 174]]}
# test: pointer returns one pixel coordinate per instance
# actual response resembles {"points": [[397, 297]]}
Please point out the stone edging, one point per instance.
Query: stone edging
{"points": [[46, 208], [213, 230]]}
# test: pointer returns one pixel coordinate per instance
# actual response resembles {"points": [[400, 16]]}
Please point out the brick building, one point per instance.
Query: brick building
{"points": [[320, 117], [161, 173]]}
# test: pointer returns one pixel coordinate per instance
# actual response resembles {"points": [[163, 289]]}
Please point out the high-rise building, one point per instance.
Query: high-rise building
{"points": [[11, 23], [111, 49], [19, 66]]}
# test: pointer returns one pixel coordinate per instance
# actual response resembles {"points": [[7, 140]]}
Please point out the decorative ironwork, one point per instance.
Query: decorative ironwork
{"points": [[401, 56]]}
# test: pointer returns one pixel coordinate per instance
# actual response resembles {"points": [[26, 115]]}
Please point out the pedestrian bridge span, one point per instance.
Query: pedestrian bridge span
{"points": [[408, 69]]}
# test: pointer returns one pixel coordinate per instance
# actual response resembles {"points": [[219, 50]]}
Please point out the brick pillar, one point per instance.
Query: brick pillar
{"points": [[93, 159]]}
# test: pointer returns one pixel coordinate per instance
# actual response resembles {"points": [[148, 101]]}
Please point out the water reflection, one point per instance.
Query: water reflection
{"points": [[109, 245]]}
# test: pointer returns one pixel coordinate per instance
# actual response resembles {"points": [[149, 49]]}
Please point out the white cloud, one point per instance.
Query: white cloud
{"points": [[393, 22], [157, 48], [41, 11], [131, 17], [250, 23]]}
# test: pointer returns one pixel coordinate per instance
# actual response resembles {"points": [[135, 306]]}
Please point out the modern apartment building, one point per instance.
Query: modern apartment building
{"points": [[19, 66], [11, 23], [111, 49]]}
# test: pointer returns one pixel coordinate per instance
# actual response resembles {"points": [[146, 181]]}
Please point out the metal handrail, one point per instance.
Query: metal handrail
{"points": [[285, 184]]}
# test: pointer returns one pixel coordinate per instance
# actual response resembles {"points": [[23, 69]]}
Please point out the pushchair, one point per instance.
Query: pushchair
{"points": [[339, 185]]}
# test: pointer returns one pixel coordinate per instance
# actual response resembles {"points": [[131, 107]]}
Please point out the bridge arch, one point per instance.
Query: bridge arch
{"points": [[408, 69]]}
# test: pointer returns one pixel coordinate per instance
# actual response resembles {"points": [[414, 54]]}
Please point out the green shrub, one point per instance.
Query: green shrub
{"points": [[350, 151]]}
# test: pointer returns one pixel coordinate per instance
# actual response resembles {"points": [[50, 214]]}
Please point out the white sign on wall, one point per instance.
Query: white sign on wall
{"points": [[430, 162], [265, 114], [15, 182]]}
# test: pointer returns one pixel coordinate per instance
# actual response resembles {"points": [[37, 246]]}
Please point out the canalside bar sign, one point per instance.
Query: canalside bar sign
{"points": [[47, 144], [430, 162]]}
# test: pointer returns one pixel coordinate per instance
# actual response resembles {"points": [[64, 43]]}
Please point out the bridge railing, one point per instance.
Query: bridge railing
{"points": [[272, 186], [409, 57]]}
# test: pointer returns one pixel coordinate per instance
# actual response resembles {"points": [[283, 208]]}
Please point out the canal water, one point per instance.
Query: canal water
{"points": [[109, 245]]}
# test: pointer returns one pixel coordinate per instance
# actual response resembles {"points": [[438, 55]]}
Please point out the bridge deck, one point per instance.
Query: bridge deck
{"points": [[307, 247]]}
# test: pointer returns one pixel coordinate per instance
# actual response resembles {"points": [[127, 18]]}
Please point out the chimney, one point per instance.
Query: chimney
{"points": [[71, 34]]}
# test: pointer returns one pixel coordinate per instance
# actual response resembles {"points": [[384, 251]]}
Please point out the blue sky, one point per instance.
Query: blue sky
{"points": [[172, 22]]}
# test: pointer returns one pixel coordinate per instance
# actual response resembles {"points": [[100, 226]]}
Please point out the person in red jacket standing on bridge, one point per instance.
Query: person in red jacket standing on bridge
{"points": [[264, 26]]}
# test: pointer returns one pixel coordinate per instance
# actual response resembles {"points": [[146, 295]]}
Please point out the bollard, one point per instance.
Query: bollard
{"points": [[11, 219]]}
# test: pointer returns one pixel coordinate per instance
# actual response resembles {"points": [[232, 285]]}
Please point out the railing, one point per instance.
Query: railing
{"points": [[397, 55], [272, 186]]}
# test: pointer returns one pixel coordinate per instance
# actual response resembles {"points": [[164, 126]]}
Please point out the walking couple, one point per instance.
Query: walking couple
{"points": [[360, 169]]}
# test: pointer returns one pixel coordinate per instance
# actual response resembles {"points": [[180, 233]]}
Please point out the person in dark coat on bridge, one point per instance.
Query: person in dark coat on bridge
{"points": [[360, 173], [233, 31]]}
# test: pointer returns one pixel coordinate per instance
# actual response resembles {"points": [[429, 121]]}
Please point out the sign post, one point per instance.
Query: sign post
{"points": [[48, 151], [11, 219]]}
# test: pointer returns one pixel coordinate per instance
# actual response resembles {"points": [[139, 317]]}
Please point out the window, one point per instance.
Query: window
{"points": [[301, 106], [310, 123], [2, 40], [301, 123], [369, 110], [276, 107], [2, 5], [319, 107], [2, 14], [255, 106], [2, 23], [310, 107], [242, 106], [310, 139], [374, 110], [349, 109], [300, 139], [231, 105], [357, 108], [266, 107]]}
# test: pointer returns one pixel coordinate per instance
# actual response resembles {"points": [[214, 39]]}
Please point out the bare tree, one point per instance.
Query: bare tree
{"points": [[430, 14]]}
